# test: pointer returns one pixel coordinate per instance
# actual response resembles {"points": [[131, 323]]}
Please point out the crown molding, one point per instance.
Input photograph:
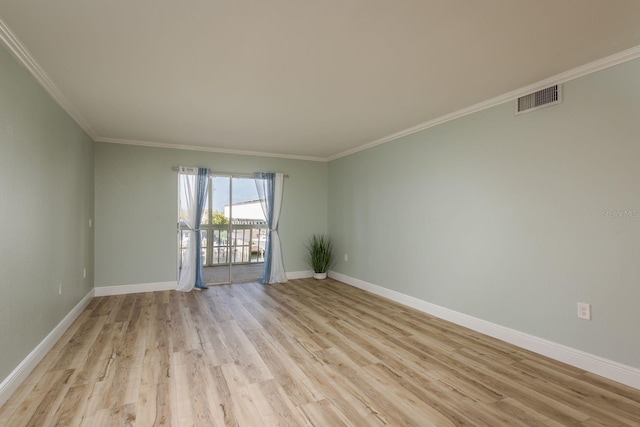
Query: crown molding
{"points": [[20, 52], [207, 149], [574, 73]]}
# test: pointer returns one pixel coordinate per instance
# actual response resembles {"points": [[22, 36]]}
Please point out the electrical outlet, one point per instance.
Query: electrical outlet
{"points": [[90, 223], [84, 273], [60, 289], [346, 257], [584, 310]]}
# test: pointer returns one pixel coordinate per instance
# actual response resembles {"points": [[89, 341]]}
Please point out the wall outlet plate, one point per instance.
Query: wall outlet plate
{"points": [[584, 310]]}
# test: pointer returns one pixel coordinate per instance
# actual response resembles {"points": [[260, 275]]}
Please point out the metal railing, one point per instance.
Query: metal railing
{"points": [[221, 244]]}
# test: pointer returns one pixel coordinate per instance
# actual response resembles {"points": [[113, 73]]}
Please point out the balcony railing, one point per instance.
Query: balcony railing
{"points": [[221, 244]]}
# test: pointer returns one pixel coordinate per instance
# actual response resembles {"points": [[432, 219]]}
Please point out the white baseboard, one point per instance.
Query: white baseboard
{"points": [[20, 373], [102, 291], [137, 288], [292, 275], [595, 364]]}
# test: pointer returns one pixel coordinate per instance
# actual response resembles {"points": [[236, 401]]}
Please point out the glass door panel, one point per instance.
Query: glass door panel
{"points": [[217, 269], [247, 226]]}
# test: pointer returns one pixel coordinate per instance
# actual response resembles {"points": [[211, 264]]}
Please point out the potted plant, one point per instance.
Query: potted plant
{"points": [[320, 256]]}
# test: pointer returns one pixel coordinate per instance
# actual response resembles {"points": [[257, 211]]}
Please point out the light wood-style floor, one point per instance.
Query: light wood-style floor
{"points": [[304, 353]]}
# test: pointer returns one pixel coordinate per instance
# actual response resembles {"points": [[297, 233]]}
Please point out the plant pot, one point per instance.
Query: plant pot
{"points": [[319, 276]]}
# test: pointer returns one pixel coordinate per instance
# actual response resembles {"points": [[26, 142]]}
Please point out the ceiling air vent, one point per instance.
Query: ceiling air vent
{"points": [[540, 99]]}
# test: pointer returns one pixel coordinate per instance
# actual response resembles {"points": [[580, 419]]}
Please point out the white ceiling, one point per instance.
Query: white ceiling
{"points": [[304, 78]]}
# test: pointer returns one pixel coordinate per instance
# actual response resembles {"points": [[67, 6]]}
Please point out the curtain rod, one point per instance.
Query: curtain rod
{"points": [[218, 173]]}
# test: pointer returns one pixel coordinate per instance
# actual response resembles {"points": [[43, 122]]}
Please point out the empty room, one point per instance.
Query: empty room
{"points": [[320, 213]]}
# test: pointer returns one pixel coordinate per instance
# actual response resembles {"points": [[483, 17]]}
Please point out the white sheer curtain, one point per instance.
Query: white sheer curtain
{"points": [[270, 189], [187, 213]]}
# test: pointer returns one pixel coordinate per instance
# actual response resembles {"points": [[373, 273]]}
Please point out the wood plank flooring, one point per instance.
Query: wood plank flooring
{"points": [[304, 353]]}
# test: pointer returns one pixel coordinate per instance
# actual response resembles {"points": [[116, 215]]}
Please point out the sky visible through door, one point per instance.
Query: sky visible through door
{"points": [[244, 190]]}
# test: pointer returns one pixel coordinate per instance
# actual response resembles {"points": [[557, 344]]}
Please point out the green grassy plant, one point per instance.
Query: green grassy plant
{"points": [[320, 256]]}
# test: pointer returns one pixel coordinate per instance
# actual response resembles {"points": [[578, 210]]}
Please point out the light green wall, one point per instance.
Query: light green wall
{"points": [[46, 200], [136, 208], [504, 217]]}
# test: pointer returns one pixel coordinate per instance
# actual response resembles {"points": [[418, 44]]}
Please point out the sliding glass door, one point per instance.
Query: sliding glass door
{"points": [[233, 231]]}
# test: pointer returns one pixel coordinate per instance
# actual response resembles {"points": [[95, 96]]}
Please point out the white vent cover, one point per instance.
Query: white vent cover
{"points": [[540, 99]]}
